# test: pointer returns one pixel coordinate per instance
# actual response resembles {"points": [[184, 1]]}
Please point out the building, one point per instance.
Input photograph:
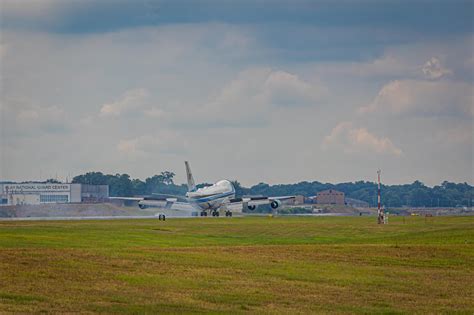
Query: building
{"points": [[94, 193], [299, 200], [41, 193], [330, 197]]}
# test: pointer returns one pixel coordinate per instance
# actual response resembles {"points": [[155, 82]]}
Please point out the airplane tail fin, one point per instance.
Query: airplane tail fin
{"points": [[189, 176]]}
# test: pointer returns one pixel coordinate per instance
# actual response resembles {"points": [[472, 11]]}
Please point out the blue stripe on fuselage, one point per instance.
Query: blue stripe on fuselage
{"points": [[215, 197]]}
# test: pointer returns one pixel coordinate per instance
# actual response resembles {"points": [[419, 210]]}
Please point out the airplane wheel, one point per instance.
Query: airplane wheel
{"points": [[159, 217], [217, 213], [230, 214], [164, 217]]}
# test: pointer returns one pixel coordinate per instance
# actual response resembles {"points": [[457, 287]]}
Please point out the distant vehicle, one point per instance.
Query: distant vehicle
{"points": [[207, 200]]}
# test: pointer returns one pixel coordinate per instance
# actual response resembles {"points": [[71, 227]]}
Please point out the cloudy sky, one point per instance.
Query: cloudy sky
{"points": [[272, 91]]}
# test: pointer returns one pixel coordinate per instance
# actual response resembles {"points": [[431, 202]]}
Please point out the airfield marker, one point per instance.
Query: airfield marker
{"points": [[380, 212]]}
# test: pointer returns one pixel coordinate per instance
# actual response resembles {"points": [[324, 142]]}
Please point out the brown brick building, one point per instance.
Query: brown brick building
{"points": [[299, 200], [331, 197]]}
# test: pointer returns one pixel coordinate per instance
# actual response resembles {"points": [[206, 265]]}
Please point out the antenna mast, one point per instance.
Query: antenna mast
{"points": [[380, 212]]}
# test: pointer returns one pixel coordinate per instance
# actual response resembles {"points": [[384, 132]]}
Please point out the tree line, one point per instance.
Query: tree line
{"points": [[416, 194]]}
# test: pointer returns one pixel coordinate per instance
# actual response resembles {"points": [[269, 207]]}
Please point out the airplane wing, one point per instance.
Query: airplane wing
{"points": [[177, 197], [253, 202], [162, 201], [183, 206], [127, 198]]}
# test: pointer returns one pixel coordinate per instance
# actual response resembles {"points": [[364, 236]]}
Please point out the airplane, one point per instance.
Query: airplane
{"points": [[206, 200]]}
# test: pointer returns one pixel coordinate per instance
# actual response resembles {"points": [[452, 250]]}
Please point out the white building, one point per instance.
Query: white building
{"points": [[40, 193]]}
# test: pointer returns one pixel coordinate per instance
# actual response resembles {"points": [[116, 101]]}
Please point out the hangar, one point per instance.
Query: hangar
{"points": [[43, 193], [331, 197]]}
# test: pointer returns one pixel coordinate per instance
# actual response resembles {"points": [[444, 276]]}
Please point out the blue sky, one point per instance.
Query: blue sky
{"points": [[427, 17], [274, 91]]}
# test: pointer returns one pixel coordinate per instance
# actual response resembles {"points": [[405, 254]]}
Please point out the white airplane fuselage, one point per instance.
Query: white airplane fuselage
{"points": [[206, 198], [212, 197]]}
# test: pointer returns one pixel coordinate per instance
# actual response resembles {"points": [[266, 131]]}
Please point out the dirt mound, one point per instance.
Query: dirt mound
{"points": [[67, 210]]}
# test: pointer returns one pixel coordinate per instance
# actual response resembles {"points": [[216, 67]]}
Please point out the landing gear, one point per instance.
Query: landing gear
{"points": [[215, 213], [162, 217]]}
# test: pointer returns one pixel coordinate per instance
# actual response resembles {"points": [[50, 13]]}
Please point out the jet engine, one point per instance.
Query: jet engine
{"points": [[252, 207], [275, 204], [142, 206]]}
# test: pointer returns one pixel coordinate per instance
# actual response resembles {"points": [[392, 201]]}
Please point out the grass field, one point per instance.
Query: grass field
{"points": [[238, 265]]}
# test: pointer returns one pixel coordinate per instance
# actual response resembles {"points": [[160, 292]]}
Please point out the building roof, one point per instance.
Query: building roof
{"points": [[330, 191]]}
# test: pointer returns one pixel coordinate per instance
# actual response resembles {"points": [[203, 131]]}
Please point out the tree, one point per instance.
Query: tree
{"points": [[152, 183], [390, 199], [138, 187], [260, 189], [92, 178], [120, 185], [419, 197], [167, 177], [239, 190], [52, 181]]}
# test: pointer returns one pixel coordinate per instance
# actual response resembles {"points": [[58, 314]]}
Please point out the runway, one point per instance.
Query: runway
{"points": [[78, 218]]}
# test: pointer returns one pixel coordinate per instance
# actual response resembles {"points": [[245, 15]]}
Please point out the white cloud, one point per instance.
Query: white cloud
{"points": [[32, 120], [164, 142], [154, 112], [470, 63], [133, 147], [431, 60], [249, 98], [131, 99], [351, 139], [286, 89], [241, 95], [433, 69], [387, 65], [3, 51], [21, 117], [390, 65], [256, 92], [461, 134], [28, 8], [194, 75], [236, 42], [423, 97]]}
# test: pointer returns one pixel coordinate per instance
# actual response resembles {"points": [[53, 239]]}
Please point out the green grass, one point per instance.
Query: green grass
{"points": [[239, 265]]}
